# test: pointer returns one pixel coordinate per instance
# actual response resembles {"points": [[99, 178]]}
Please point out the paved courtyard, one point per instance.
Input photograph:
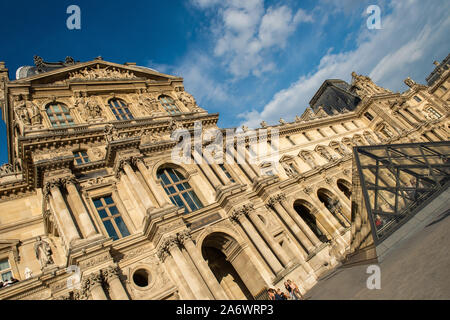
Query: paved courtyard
{"points": [[418, 268]]}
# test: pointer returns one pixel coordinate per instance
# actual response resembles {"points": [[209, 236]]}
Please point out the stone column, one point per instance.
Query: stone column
{"points": [[86, 224], [67, 223], [93, 283], [189, 276], [302, 239], [242, 163], [204, 166], [111, 275], [326, 215], [158, 192], [203, 268], [239, 216], [222, 176], [137, 186], [175, 272], [274, 245], [300, 222]]}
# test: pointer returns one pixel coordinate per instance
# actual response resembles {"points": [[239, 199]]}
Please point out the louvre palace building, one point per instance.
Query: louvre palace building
{"points": [[95, 206]]}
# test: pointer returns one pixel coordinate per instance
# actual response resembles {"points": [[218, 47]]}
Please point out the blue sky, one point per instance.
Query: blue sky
{"points": [[248, 60]]}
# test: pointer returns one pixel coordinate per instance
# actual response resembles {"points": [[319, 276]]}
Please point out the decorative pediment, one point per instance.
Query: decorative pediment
{"points": [[320, 113], [10, 245], [307, 115], [286, 157], [96, 70]]}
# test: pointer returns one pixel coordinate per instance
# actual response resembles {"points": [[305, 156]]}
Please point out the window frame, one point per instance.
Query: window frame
{"points": [[125, 115], [177, 192], [67, 118], [169, 106], [7, 270], [110, 217], [81, 157]]}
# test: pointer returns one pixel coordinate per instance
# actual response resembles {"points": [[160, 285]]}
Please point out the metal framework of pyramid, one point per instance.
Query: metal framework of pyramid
{"points": [[393, 182]]}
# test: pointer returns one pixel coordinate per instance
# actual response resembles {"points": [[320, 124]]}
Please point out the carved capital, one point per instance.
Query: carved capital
{"points": [[110, 273], [184, 236], [92, 280], [307, 190]]}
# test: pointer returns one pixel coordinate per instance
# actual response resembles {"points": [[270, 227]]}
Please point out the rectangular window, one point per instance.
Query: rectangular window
{"points": [[226, 172], [111, 217], [81, 157], [368, 116], [5, 270], [417, 98]]}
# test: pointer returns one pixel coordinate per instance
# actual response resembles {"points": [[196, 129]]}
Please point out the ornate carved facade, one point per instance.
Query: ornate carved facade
{"points": [[91, 183]]}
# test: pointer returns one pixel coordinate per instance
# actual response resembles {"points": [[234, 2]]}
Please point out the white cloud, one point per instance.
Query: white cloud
{"points": [[414, 34], [248, 33]]}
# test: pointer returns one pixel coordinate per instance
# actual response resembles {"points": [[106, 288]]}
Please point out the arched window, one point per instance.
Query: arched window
{"points": [[120, 109], [59, 115], [81, 157], [169, 105], [179, 190]]}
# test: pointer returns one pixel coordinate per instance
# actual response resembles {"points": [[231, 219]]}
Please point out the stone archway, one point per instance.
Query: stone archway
{"points": [[232, 267], [345, 187], [333, 205], [305, 211]]}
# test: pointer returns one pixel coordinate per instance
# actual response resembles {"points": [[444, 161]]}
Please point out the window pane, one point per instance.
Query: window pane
{"points": [[113, 210], [109, 200], [179, 202], [110, 229], [171, 190], [98, 203], [189, 201], [165, 179], [4, 264], [121, 226], [173, 176], [196, 200], [102, 213], [6, 276]]}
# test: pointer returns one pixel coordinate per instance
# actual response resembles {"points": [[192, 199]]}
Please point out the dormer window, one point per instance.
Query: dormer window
{"points": [[59, 115], [169, 105], [120, 109]]}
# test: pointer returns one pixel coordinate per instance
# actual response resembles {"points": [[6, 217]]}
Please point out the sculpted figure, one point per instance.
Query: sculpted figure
{"points": [[324, 153], [6, 169], [289, 169], [93, 110], [43, 252], [187, 99], [36, 117], [20, 105], [309, 159], [264, 124]]}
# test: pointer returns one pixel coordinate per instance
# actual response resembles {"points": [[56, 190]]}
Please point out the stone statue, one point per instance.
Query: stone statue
{"points": [[289, 169], [244, 128], [186, 98], [43, 252], [148, 103], [369, 139], [6, 169], [20, 105], [111, 133], [309, 159], [282, 121], [28, 273], [36, 117], [92, 109], [264, 124], [297, 118], [409, 82], [324, 153]]}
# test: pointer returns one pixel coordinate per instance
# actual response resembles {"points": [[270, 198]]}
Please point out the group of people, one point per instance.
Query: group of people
{"points": [[292, 289], [7, 283]]}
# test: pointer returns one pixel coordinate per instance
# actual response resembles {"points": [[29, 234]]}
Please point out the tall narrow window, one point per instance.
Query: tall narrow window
{"points": [[111, 217], [169, 105], [5, 270], [179, 190], [120, 109], [81, 157], [59, 115], [368, 116], [222, 166]]}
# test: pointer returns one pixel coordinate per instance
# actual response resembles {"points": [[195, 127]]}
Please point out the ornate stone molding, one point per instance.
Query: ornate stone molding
{"points": [[110, 273]]}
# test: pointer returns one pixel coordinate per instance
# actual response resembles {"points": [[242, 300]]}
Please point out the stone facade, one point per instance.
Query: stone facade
{"points": [[89, 155]]}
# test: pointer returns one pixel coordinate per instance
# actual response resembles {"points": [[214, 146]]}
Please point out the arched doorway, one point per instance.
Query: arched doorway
{"points": [[345, 187], [232, 267], [304, 211], [332, 204]]}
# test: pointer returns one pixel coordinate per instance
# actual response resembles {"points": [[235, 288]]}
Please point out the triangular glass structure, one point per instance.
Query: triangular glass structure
{"points": [[391, 183]]}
